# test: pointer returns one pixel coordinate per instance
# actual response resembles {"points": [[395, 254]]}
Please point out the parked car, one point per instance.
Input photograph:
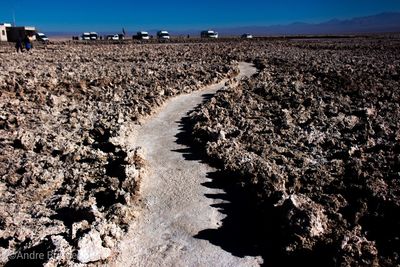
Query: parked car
{"points": [[209, 34], [85, 36], [141, 36], [41, 37], [247, 36], [114, 37], [163, 36]]}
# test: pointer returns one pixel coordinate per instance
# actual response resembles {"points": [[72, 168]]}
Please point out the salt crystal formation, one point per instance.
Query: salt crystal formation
{"points": [[315, 135], [68, 178]]}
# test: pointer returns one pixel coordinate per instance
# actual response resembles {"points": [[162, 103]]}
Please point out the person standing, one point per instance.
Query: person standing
{"points": [[18, 45], [28, 44]]}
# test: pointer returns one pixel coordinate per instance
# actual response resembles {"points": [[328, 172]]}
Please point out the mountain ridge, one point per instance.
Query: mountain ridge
{"points": [[380, 23]]}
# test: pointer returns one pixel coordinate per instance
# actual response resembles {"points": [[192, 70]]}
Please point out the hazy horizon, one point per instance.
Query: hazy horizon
{"points": [[178, 15]]}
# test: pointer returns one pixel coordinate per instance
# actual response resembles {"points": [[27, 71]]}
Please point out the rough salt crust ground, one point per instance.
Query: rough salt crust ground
{"points": [[314, 137], [68, 178]]}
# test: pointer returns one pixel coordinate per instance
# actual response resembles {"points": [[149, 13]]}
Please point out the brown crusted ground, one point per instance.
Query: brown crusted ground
{"points": [[316, 137], [66, 174]]}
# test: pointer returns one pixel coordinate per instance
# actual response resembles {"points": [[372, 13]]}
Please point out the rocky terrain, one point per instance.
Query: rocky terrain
{"points": [[315, 138], [68, 179]]}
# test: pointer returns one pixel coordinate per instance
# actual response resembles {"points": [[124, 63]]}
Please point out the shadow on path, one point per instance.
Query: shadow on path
{"points": [[243, 229]]}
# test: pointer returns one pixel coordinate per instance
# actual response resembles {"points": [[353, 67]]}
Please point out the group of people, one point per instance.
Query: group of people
{"points": [[23, 43]]}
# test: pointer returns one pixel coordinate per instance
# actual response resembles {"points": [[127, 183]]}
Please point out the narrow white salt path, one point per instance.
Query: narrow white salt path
{"points": [[175, 205]]}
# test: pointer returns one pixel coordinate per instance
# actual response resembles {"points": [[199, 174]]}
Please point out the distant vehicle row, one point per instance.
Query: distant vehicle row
{"points": [[143, 35]]}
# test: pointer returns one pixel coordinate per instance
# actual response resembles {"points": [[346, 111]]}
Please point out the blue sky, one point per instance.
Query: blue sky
{"points": [[103, 15]]}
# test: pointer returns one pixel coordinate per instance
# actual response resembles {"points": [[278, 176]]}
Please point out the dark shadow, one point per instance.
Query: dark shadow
{"points": [[183, 137], [186, 153], [69, 216], [241, 232], [242, 229], [207, 97]]}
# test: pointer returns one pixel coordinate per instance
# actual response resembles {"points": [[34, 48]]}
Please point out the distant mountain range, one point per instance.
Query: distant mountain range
{"points": [[380, 23]]}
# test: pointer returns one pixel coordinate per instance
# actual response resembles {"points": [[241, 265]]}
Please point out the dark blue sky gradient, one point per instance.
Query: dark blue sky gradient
{"points": [[102, 15]]}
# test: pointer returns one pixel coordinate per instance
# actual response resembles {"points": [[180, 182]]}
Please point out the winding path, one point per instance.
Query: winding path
{"points": [[175, 205]]}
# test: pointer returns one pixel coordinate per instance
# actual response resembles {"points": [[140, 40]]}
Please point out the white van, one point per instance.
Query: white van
{"points": [[41, 37], [85, 36], [94, 36], [209, 34], [247, 36], [163, 35], [143, 35]]}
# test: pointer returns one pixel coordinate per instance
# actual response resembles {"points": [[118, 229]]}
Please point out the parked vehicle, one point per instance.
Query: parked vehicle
{"points": [[163, 36], [141, 36], [94, 36], [209, 34], [114, 37], [247, 36], [85, 36], [41, 37]]}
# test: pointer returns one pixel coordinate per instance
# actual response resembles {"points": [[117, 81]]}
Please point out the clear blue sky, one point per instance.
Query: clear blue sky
{"points": [[112, 15]]}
